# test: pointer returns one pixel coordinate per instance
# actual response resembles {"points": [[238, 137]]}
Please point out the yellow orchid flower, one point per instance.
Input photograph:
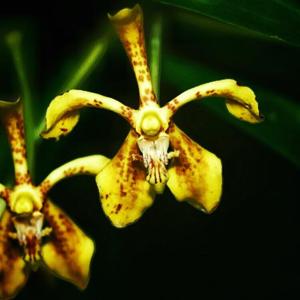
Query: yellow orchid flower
{"points": [[67, 251], [144, 165]]}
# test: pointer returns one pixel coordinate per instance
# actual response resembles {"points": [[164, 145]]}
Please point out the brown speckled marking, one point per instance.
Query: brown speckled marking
{"points": [[145, 98], [75, 171], [210, 92], [65, 237], [132, 37], [119, 206], [189, 166], [97, 103], [171, 107], [122, 191], [14, 125], [127, 114], [130, 173], [10, 256], [45, 186], [5, 193]]}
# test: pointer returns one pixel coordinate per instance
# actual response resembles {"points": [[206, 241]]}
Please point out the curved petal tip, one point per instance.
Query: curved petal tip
{"points": [[126, 15]]}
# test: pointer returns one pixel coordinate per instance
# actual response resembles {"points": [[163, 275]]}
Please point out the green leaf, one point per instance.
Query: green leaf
{"points": [[81, 70], [2, 207], [276, 19], [155, 52], [281, 128], [88, 62]]}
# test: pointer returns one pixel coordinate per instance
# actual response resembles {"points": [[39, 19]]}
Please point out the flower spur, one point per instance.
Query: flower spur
{"points": [[143, 165], [67, 251]]}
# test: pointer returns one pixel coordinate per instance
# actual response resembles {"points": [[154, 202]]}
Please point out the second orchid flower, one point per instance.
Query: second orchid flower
{"points": [[67, 250]]}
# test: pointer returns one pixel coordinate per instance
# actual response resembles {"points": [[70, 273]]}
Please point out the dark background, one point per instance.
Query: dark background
{"points": [[249, 247]]}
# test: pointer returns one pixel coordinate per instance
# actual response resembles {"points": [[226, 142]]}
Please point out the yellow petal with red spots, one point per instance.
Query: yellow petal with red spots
{"points": [[129, 25], [88, 165], [68, 253], [13, 271], [196, 175], [240, 100], [63, 112], [124, 191], [63, 126]]}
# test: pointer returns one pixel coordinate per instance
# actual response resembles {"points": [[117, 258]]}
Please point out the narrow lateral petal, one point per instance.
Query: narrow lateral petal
{"points": [[88, 165], [63, 112], [69, 251], [13, 271], [195, 175], [240, 100], [8, 104], [129, 25], [14, 125], [124, 191]]}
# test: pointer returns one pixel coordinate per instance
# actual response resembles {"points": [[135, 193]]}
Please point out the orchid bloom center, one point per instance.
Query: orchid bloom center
{"points": [[156, 157], [151, 124], [25, 198], [29, 233], [23, 204]]}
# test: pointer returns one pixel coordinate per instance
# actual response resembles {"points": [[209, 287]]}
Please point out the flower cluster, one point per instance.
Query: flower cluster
{"points": [[155, 154]]}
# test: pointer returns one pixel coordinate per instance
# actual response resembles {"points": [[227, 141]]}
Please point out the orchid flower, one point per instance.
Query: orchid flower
{"points": [[30, 216], [144, 164]]}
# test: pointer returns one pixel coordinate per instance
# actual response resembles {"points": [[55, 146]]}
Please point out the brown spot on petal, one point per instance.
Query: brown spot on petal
{"points": [[132, 190], [119, 206], [196, 175], [122, 191], [209, 92], [171, 107], [67, 242]]}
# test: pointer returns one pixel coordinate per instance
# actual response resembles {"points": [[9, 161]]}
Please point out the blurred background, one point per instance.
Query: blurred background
{"points": [[249, 247]]}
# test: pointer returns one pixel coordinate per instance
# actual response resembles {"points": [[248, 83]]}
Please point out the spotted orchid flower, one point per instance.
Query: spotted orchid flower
{"points": [[30, 216], [156, 152]]}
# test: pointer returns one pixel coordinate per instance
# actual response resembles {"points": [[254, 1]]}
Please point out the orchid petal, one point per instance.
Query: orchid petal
{"points": [[124, 191], [88, 165], [62, 114], [241, 101], [13, 271], [8, 104], [14, 125], [129, 25], [195, 175], [69, 252]]}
